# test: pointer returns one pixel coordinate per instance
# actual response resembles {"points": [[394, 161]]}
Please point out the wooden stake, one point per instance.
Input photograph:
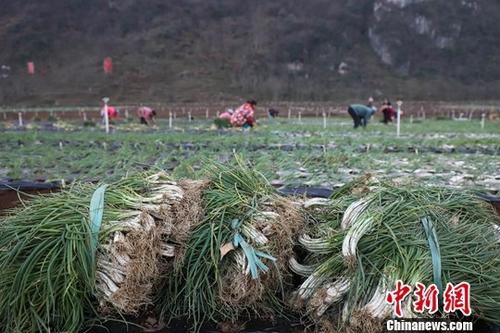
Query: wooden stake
{"points": [[399, 103], [170, 119], [20, 119], [483, 118], [106, 118]]}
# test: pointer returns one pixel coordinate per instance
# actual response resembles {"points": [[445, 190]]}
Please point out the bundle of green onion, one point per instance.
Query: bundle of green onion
{"points": [[221, 249], [53, 276], [367, 240], [236, 259]]}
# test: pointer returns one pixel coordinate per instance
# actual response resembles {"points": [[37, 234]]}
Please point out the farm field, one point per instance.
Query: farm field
{"points": [[217, 192], [289, 152]]}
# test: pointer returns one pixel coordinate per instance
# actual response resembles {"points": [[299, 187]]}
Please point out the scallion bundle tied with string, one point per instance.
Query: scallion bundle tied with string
{"points": [[236, 258], [65, 259], [368, 240]]}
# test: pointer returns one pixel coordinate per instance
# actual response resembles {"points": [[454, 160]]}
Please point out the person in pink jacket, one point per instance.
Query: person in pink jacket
{"points": [[244, 116], [146, 115], [226, 114]]}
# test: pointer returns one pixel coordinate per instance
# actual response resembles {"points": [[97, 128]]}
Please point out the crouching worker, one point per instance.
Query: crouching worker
{"points": [[360, 114], [273, 113], [112, 113], [244, 116], [146, 115], [388, 112], [224, 119]]}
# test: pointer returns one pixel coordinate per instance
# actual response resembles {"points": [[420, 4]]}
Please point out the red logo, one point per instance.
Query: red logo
{"points": [[426, 298], [455, 298], [398, 296]]}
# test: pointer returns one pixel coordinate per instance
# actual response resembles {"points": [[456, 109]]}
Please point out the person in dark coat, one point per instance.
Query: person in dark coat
{"points": [[360, 114]]}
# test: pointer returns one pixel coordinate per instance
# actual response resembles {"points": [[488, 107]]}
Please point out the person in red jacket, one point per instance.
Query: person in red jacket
{"points": [[244, 116], [388, 112], [112, 113]]}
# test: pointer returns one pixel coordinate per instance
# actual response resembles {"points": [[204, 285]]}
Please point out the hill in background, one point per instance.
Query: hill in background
{"points": [[196, 50]]}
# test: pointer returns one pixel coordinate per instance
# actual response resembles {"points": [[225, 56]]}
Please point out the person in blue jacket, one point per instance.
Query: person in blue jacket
{"points": [[360, 114]]}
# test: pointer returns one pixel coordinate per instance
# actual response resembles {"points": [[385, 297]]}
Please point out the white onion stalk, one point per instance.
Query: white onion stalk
{"points": [[119, 237], [167, 250], [345, 312], [265, 217], [377, 307], [358, 229], [121, 258], [251, 233], [134, 221], [334, 293], [148, 222], [241, 261], [113, 272], [159, 177], [127, 214], [169, 192], [157, 211], [496, 231], [354, 211], [300, 269], [309, 286], [315, 245], [109, 286], [407, 309], [316, 202]]}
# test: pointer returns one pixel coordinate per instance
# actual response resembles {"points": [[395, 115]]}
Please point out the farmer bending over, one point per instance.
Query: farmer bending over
{"points": [[388, 112], [146, 115], [273, 113], [112, 113], [360, 114], [244, 115]]}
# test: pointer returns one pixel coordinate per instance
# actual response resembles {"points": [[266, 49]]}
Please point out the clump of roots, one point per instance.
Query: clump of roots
{"points": [[324, 325], [277, 223], [238, 287], [186, 215], [127, 266], [363, 322]]}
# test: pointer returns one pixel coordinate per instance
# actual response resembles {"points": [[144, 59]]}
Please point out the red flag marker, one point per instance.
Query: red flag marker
{"points": [[31, 67], [108, 65]]}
